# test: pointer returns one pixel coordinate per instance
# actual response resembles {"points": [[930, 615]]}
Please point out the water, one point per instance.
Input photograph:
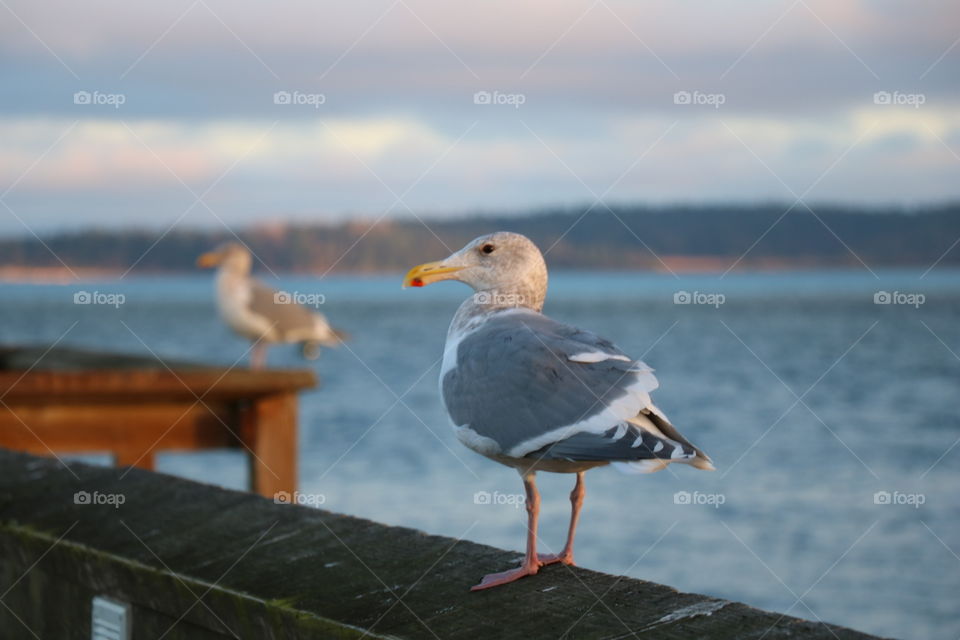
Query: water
{"points": [[798, 530]]}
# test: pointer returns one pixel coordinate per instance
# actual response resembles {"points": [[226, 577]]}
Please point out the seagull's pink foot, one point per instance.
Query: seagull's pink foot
{"points": [[504, 577], [553, 558]]}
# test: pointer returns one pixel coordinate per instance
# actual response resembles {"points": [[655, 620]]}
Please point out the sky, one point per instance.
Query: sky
{"points": [[209, 112]]}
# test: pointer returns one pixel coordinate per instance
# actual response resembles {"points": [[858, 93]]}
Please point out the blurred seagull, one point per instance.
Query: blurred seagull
{"points": [[261, 314], [538, 395]]}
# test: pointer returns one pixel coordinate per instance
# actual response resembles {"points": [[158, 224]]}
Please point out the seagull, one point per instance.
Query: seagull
{"points": [[535, 394], [261, 314]]}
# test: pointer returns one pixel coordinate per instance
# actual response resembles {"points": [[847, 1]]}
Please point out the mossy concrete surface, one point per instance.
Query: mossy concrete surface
{"points": [[196, 561]]}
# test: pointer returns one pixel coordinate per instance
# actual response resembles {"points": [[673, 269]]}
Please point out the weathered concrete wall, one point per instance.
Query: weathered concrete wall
{"points": [[200, 562]]}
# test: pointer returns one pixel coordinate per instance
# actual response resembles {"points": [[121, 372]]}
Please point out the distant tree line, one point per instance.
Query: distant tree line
{"points": [[621, 237]]}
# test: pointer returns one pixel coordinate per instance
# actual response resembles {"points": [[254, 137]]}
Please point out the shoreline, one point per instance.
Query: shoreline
{"points": [[680, 265]]}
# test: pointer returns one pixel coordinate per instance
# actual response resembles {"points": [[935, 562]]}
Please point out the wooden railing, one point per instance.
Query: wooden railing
{"points": [[191, 561]]}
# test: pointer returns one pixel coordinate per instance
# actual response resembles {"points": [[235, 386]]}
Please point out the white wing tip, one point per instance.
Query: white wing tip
{"points": [[590, 357], [651, 465], [704, 464]]}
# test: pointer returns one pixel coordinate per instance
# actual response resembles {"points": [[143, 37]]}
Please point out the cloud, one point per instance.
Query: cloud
{"points": [[598, 80], [258, 168], [228, 58]]}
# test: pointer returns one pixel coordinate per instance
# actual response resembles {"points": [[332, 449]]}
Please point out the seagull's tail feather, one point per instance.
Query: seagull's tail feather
{"points": [[666, 430], [704, 463], [310, 349], [333, 338]]}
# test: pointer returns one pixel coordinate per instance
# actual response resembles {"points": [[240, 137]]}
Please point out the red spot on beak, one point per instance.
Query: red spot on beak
{"points": [[416, 282]]}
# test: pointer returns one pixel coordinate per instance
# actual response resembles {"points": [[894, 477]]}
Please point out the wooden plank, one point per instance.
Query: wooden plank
{"points": [[106, 385], [77, 428]]}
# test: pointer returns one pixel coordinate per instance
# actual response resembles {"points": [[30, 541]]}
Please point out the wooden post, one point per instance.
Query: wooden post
{"points": [[134, 458], [273, 457]]}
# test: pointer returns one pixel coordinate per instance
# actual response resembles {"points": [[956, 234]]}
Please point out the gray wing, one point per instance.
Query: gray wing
{"points": [[286, 317], [529, 383]]}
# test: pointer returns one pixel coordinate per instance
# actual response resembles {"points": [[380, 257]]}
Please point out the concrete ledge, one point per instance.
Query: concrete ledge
{"points": [[196, 561]]}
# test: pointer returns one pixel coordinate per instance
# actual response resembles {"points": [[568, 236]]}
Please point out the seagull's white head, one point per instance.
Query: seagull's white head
{"points": [[505, 269], [231, 256]]}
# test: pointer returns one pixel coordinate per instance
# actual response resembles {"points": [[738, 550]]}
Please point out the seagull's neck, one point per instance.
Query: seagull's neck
{"points": [[227, 276], [232, 283], [481, 304]]}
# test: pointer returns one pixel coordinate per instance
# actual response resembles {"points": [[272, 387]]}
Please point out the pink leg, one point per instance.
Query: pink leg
{"points": [[258, 357], [530, 564], [576, 501]]}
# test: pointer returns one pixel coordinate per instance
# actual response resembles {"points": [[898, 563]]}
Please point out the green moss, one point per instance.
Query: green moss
{"points": [[283, 603]]}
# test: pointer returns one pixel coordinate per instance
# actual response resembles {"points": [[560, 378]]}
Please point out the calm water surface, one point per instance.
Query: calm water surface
{"points": [[810, 398]]}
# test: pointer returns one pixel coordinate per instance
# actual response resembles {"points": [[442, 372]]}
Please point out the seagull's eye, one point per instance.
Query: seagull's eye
{"points": [[487, 248]]}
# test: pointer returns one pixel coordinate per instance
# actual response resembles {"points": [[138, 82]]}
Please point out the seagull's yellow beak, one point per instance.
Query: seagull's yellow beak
{"points": [[424, 274], [209, 259]]}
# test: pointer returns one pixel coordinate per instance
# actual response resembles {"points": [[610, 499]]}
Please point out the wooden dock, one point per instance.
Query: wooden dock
{"points": [[62, 400], [198, 562]]}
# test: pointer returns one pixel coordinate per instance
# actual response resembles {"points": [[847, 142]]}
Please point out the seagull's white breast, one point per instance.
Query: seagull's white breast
{"points": [[233, 303]]}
